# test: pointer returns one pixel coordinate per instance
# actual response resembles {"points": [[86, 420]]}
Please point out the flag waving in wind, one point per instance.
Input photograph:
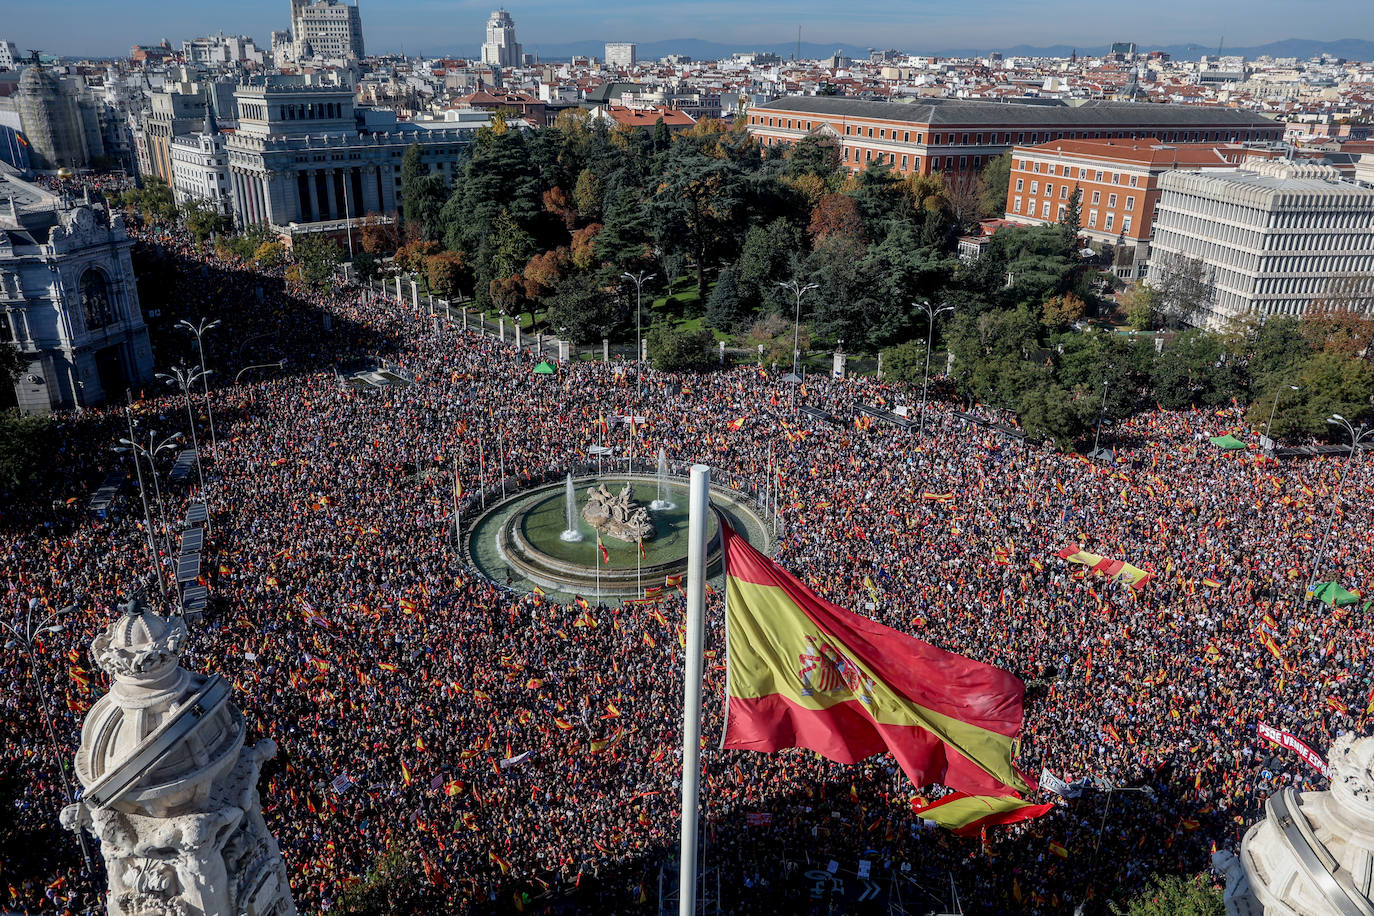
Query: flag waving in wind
{"points": [[803, 672]]}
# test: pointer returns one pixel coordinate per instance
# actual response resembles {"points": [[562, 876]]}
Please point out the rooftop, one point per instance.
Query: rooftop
{"points": [[1042, 112], [1146, 151]]}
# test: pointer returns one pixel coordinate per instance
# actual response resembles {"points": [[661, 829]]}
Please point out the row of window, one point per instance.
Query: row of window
{"points": [[1026, 165], [1107, 224]]}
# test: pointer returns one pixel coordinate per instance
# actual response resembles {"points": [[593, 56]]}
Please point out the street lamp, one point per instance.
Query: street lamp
{"points": [[25, 637], [280, 364], [199, 331], [1101, 416], [797, 290], [639, 281], [931, 315], [184, 379], [1273, 410], [1358, 437], [150, 453]]}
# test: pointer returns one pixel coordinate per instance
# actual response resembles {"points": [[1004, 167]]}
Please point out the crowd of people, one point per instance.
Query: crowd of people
{"points": [[509, 760]]}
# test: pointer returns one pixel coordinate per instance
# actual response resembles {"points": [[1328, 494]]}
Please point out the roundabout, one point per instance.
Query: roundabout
{"points": [[526, 540]]}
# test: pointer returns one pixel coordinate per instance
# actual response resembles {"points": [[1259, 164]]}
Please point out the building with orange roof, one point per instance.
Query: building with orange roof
{"points": [[620, 116], [1119, 183]]}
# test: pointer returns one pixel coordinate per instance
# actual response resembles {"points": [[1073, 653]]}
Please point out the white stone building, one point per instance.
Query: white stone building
{"points": [[68, 301], [501, 49], [200, 167], [326, 28], [1271, 235], [620, 54], [9, 54]]}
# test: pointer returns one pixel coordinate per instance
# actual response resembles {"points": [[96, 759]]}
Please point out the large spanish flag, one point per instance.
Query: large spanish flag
{"points": [[967, 815], [803, 672]]}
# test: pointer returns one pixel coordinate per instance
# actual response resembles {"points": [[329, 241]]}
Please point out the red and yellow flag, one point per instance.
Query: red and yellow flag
{"points": [[803, 672], [968, 815]]}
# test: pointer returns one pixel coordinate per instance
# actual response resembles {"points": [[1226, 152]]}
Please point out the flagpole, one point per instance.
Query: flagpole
{"points": [[457, 511], [700, 505]]}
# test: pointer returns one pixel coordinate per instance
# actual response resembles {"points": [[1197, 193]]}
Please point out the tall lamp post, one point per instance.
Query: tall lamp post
{"points": [[184, 379], [1358, 437], [150, 453], [1101, 418], [797, 290], [931, 315], [638, 280], [1275, 409], [26, 636], [199, 330]]}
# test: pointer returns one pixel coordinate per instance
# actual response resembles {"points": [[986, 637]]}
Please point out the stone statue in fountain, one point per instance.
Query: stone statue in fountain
{"points": [[619, 515]]}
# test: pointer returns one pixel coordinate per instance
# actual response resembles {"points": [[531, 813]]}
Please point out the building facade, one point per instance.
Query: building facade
{"points": [[1272, 236], [326, 28], [301, 155], [200, 168], [960, 136], [501, 49], [52, 121], [620, 54], [9, 54], [175, 111], [68, 300], [1119, 184]]}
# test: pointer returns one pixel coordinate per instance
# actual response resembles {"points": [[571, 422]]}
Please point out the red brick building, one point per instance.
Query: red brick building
{"points": [[1119, 181], [959, 136]]}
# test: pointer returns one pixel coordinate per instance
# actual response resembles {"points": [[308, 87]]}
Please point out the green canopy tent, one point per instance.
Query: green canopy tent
{"points": [[1227, 442], [1331, 593], [545, 368]]}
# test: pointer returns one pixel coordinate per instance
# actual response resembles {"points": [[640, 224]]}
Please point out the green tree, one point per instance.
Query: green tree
{"points": [[1191, 372], [623, 241], [316, 259], [586, 309], [587, 196], [725, 310], [901, 272], [498, 177], [996, 178], [26, 448], [672, 350], [365, 265], [13, 363], [1175, 895], [394, 884], [511, 246], [662, 138], [203, 220], [814, 155], [1329, 383], [1138, 305], [1072, 223], [906, 362], [696, 195]]}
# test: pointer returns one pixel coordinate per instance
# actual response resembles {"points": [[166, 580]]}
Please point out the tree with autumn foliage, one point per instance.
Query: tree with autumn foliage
{"points": [[449, 274], [835, 214]]}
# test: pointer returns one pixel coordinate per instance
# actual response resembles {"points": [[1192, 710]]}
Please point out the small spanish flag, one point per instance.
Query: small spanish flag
{"points": [[582, 603], [563, 724], [387, 666], [1059, 850], [605, 554], [1211, 583], [499, 862], [405, 773]]}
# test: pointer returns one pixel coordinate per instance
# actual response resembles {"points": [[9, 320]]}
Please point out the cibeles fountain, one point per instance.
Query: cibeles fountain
{"points": [[169, 786], [606, 537], [1313, 854]]}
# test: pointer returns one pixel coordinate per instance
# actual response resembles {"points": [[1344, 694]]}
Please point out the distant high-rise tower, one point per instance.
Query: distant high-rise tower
{"points": [[326, 28], [501, 49], [621, 54]]}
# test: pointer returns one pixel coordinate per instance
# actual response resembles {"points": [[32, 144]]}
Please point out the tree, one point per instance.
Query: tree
{"points": [[905, 362], [365, 265], [316, 259], [269, 255], [725, 310], [379, 235], [587, 196], [583, 248], [1073, 219], [697, 194], [411, 258], [672, 350], [511, 246], [813, 155], [203, 220], [623, 242], [448, 274], [556, 202], [774, 332], [835, 213], [543, 272], [1175, 895], [1062, 311], [1138, 303], [26, 448], [964, 199], [13, 363], [499, 177], [392, 885], [1183, 287], [992, 196], [586, 309]]}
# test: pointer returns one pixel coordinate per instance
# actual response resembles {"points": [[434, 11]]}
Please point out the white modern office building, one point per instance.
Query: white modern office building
{"points": [[501, 49], [1273, 235], [620, 54]]}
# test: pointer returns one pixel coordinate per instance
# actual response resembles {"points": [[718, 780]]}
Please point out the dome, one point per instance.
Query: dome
{"points": [[185, 717]]}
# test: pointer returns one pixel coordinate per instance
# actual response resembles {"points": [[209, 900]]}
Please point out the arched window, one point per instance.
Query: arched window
{"points": [[96, 308]]}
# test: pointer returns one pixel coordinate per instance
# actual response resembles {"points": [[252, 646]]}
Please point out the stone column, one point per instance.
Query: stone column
{"points": [[517, 333], [330, 176], [315, 215], [605, 350], [415, 295], [501, 326]]}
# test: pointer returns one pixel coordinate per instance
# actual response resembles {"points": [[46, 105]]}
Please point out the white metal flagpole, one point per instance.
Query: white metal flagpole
{"points": [[699, 503]]}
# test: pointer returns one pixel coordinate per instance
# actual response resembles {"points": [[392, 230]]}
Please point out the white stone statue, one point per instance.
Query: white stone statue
{"points": [[169, 789], [1313, 854]]}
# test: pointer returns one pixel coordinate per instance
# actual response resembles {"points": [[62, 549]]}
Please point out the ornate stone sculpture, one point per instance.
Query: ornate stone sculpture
{"points": [[618, 516], [1313, 854], [170, 790]]}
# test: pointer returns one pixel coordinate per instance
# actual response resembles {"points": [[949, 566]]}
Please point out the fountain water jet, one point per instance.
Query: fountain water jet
{"points": [[570, 533], [660, 504]]}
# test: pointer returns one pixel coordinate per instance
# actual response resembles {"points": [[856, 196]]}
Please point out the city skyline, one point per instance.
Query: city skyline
{"points": [[433, 29]]}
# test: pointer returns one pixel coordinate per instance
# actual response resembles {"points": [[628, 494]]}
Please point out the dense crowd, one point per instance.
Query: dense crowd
{"points": [[359, 641]]}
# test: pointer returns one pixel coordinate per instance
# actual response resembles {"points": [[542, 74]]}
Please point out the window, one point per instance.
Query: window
{"points": [[96, 307], [1097, 197], [963, 162], [1134, 179], [1111, 200], [1045, 210], [1020, 184], [1063, 192], [1035, 187], [903, 163], [1099, 176], [1016, 205], [1060, 217], [1092, 218], [1130, 202], [1049, 189], [1126, 224], [1110, 217]]}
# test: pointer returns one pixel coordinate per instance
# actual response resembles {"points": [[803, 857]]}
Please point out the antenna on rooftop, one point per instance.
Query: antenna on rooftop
{"points": [[798, 57]]}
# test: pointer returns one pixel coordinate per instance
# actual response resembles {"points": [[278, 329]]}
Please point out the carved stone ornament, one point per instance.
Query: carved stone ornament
{"points": [[618, 516]]}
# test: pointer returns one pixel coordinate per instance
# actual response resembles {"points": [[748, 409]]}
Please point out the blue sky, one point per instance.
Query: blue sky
{"points": [[109, 27]]}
